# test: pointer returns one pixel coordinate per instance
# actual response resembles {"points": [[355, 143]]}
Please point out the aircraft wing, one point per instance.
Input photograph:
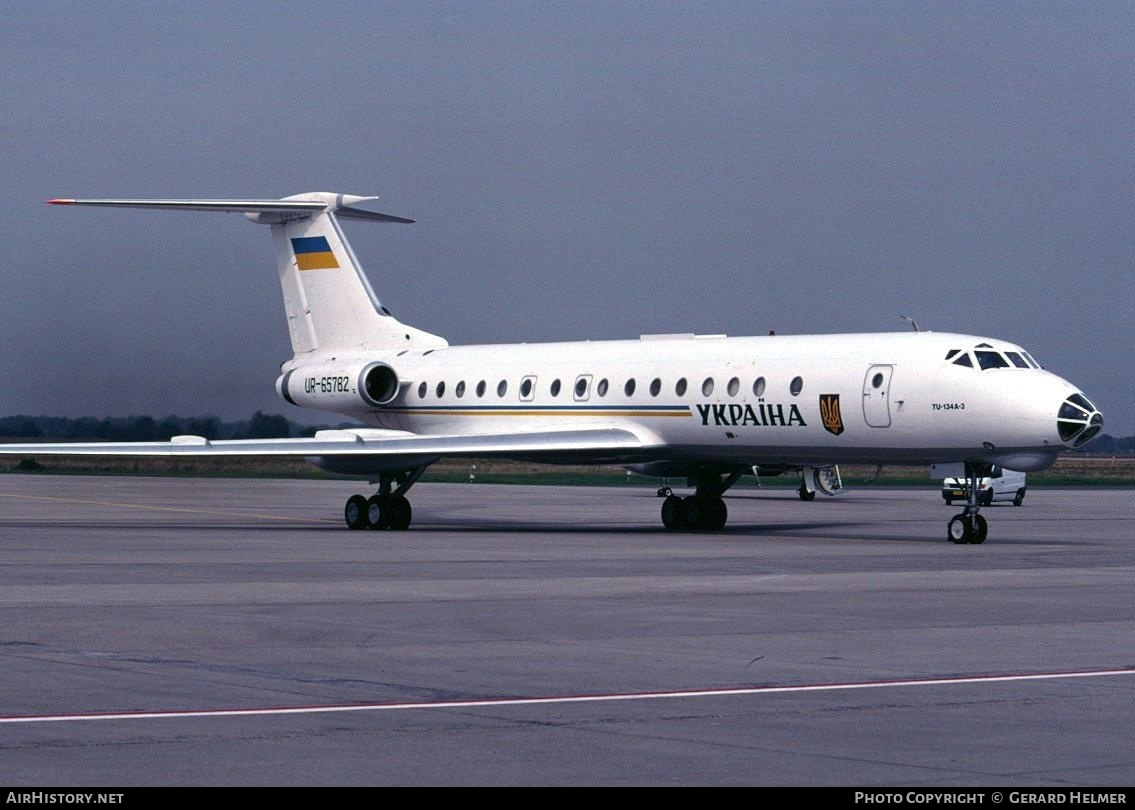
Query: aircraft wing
{"points": [[381, 445]]}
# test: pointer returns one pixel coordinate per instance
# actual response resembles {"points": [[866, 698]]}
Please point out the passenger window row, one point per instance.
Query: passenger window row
{"points": [[582, 388]]}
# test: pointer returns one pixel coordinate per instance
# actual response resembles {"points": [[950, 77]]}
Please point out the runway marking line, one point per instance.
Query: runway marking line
{"points": [[148, 507], [505, 702]]}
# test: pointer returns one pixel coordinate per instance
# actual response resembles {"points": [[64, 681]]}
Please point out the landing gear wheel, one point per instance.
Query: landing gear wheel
{"points": [[805, 495], [979, 531], [1020, 499], [673, 512], [399, 512], [716, 513], [695, 512], [378, 512], [957, 530], [355, 512], [965, 528]]}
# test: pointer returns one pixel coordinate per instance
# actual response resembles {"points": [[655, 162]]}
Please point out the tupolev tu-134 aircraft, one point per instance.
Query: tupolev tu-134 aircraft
{"points": [[709, 408]]}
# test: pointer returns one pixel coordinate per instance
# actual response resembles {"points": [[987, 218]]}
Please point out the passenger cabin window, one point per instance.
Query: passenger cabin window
{"points": [[440, 390], [680, 387], [582, 387], [759, 386], [1016, 360], [502, 388], [422, 391], [988, 360], [796, 386], [460, 389], [963, 360], [555, 389], [527, 388], [733, 387], [707, 386], [628, 389], [480, 389], [655, 387], [601, 388]]}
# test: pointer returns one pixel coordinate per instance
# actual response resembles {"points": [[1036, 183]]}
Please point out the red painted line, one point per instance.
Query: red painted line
{"points": [[736, 691]]}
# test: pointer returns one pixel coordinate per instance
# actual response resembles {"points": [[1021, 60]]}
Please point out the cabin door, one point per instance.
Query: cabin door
{"points": [[877, 396]]}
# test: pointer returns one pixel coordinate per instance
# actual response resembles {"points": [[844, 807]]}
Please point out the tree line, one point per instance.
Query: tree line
{"points": [[148, 429]]}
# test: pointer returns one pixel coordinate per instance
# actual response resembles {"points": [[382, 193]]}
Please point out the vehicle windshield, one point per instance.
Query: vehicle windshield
{"points": [[989, 358]]}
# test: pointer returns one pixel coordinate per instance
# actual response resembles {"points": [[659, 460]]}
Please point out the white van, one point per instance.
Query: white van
{"points": [[1002, 485]]}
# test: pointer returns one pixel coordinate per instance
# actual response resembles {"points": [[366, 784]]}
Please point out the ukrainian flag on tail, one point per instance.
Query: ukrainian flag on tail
{"points": [[313, 253]]}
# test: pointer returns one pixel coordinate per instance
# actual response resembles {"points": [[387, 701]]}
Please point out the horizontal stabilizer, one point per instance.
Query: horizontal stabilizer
{"points": [[234, 206], [342, 205]]}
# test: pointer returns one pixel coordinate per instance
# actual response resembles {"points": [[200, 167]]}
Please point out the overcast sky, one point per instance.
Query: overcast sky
{"points": [[577, 170]]}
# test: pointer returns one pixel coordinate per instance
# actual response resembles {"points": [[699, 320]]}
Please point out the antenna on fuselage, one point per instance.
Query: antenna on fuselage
{"points": [[913, 322]]}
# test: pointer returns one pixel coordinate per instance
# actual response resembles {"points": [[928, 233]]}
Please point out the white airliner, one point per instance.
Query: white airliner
{"points": [[707, 407]]}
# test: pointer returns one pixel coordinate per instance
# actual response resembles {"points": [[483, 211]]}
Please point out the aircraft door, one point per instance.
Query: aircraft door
{"points": [[877, 396]]}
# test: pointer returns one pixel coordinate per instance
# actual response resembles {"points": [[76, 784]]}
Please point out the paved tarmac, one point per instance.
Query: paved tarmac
{"points": [[142, 595]]}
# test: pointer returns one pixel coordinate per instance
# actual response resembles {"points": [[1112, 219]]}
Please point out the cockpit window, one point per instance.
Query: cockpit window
{"points": [[963, 360], [1016, 360], [1068, 411], [1029, 357], [988, 360], [1083, 402], [950, 354]]}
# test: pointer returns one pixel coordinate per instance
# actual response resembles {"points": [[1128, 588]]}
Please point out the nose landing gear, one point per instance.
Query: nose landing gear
{"points": [[969, 526], [389, 508]]}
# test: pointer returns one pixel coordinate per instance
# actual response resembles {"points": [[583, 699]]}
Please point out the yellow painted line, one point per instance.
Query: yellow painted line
{"points": [[164, 508]]}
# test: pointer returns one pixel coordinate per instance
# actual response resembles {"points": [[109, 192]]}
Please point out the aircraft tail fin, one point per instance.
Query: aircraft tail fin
{"points": [[329, 303]]}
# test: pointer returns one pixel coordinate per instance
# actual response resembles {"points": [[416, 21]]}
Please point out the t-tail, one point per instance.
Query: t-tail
{"points": [[330, 305]]}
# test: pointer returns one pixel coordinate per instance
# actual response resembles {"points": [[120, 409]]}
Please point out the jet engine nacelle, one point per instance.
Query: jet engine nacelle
{"points": [[339, 386]]}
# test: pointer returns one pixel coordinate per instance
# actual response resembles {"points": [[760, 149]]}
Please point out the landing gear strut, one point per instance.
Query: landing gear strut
{"points": [[388, 508], [704, 509], [968, 526]]}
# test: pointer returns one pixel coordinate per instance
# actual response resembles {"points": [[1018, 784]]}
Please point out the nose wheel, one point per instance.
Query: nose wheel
{"points": [[969, 526], [965, 528]]}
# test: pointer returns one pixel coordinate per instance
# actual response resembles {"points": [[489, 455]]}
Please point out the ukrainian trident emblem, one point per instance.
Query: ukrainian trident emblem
{"points": [[829, 413]]}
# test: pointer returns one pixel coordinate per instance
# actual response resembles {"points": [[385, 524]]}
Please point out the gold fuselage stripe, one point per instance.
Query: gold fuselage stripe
{"points": [[532, 413]]}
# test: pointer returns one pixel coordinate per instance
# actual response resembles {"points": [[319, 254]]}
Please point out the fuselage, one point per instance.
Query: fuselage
{"points": [[908, 397]]}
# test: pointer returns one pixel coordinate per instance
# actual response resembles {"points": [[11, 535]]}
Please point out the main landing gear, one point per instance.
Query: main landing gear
{"points": [[968, 526], [704, 509], [388, 508]]}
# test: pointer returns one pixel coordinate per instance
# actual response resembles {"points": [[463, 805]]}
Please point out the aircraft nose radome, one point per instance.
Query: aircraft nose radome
{"points": [[1078, 420]]}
